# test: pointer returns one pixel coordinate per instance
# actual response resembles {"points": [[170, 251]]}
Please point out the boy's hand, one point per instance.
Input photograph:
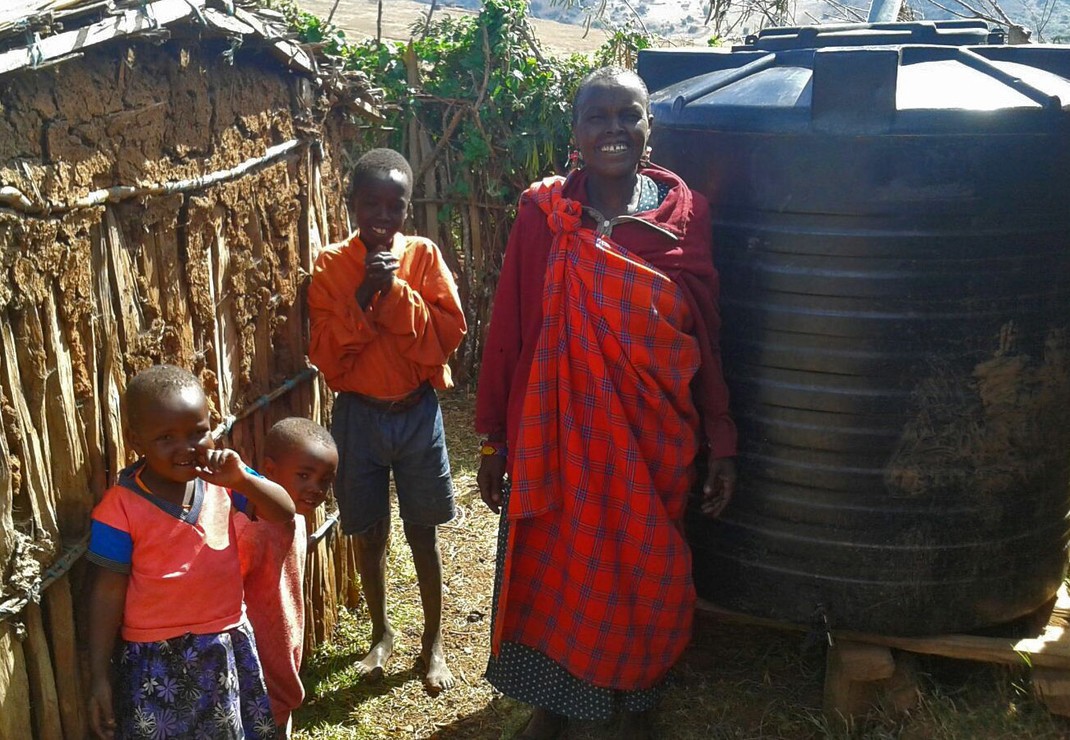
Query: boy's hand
{"points": [[489, 479], [101, 715], [379, 270], [223, 468], [719, 487]]}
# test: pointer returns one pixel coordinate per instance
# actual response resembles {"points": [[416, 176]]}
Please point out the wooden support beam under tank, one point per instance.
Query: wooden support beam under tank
{"points": [[862, 669]]}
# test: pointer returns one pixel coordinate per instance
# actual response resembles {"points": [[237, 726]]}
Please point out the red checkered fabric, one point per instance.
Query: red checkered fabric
{"points": [[597, 572]]}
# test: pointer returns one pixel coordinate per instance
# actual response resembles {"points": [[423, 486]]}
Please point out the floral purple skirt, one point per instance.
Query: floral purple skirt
{"points": [[193, 686]]}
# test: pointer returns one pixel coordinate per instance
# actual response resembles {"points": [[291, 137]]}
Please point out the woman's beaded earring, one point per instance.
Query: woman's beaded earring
{"points": [[644, 161], [574, 162]]}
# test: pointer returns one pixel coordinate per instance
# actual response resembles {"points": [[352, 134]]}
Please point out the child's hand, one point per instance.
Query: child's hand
{"points": [[101, 715], [379, 270], [223, 468]]}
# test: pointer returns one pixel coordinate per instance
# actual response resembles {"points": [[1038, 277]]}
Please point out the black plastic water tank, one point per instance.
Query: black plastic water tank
{"points": [[892, 224]]}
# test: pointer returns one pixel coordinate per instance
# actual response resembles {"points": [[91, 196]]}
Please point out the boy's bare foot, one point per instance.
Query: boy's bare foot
{"points": [[543, 725], [374, 663], [438, 676]]}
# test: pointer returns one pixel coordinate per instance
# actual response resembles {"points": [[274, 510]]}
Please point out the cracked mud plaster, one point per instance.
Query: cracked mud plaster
{"points": [[134, 114], [137, 114]]}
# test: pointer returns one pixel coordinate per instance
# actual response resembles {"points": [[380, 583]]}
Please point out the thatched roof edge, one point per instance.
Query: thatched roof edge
{"points": [[40, 33]]}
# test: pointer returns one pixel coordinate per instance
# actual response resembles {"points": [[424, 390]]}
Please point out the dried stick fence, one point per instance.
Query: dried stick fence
{"points": [[472, 231]]}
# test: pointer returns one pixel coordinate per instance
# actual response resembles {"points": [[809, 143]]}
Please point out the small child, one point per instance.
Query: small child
{"points": [[169, 576], [385, 318], [299, 455]]}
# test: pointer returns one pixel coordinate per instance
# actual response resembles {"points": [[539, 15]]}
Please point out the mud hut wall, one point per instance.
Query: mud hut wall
{"points": [[212, 279]]}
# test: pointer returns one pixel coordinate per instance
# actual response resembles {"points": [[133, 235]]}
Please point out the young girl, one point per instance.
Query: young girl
{"points": [[169, 576]]}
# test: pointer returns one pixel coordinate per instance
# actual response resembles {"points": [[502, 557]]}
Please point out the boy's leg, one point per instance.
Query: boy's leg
{"points": [[371, 564], [423, 541], [425, 500], [361, 488]]}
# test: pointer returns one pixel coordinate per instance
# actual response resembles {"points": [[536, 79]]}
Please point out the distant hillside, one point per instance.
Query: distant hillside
{"points": [[684, 18], [1055, 30]]}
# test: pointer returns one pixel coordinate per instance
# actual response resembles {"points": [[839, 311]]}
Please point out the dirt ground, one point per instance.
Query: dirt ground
{"points": [[358, 19]]}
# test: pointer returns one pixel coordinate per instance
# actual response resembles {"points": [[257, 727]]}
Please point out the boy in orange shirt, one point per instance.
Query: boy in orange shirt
{"points": [[300, 456], [385, 319]]}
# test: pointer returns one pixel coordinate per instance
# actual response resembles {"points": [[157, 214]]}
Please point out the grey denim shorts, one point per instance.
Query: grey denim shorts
{"points": [[372, 443]]}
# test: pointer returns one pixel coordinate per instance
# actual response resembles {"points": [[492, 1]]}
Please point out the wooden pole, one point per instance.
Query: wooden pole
{"points": [[14, 687], [27, 443], [13, 198], [70, 468], [60, 611], [43, 697]]}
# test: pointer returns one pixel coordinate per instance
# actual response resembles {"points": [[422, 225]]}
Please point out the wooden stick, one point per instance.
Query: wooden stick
{"points": [[447, 134], [17, 200], [27, 441], [42, 680], [60, 610], [8, 541], [228, 423], [323, 531], [70, 473], [15, 721], [353, 593]]}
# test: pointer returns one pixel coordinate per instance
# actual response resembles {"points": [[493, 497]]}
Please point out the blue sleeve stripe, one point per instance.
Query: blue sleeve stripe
{"points": [[110, 544], [240, 500], [241, 503]]}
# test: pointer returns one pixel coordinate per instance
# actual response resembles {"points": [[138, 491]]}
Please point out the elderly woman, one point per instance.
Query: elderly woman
{"points": [[601, 383]]}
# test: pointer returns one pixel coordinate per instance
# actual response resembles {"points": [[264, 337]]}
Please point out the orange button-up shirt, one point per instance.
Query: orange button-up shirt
{"points": [[402, 339]]}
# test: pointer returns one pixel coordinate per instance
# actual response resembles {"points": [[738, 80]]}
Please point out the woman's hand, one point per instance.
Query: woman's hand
{"points": [[720, 485], [490, 478]]}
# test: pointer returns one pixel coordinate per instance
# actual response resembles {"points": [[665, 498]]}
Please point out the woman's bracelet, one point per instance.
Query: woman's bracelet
{"points": [[488, 448]]}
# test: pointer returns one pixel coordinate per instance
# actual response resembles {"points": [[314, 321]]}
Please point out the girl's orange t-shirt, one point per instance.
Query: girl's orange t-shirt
{"points": [[185, 576]]}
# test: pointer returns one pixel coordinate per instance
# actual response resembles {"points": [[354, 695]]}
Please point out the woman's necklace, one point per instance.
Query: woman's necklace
{"points": [[610, 211]]}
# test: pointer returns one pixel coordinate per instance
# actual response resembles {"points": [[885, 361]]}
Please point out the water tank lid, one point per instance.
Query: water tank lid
{"points": [[872, 90], [941, 33]]}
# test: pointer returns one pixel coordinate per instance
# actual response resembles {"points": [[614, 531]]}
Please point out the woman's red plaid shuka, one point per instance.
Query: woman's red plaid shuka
{"points": [[597, 573]]}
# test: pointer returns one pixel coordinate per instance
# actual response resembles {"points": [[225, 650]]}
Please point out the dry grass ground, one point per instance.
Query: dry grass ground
{"points": [[735, 682]]}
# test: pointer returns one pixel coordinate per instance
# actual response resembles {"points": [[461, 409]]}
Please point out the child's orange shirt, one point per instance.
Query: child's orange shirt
{"points": [[403, 339], [183, 565], [273, 571]]}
